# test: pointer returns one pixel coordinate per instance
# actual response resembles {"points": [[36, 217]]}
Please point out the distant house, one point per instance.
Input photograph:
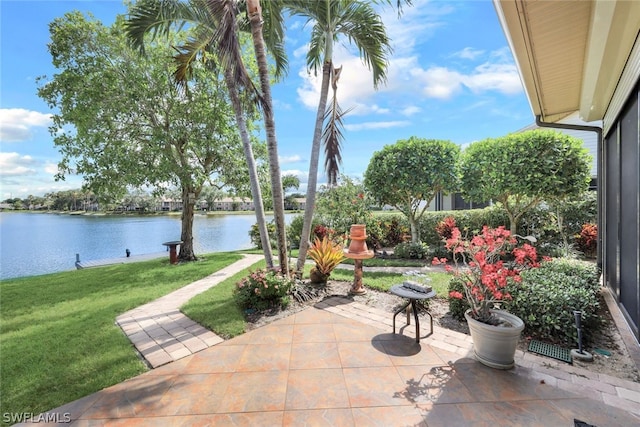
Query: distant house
{"points": [[169, 205], [297, 203], [233, 204]]}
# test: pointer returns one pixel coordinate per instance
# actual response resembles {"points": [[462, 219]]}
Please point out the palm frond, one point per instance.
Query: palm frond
{"points": [[272, 13], [227, 42], [364, 28], [332, 135], [155, 18]]}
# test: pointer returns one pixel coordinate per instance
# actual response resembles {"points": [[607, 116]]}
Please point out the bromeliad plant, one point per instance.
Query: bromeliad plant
{"points": [[327, 254], [481, 267]]}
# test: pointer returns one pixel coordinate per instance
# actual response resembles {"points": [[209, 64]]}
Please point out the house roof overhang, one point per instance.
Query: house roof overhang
{"points": [[570, 54]]}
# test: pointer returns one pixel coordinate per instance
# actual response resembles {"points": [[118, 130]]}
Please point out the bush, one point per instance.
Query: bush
{"points": [[457, 306], [254, 234], [547, 296], [411, 250], [263, 289], [392, 230], [587, 240]]}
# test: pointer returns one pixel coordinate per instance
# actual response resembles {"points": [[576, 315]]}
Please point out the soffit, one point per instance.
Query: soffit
{"points": [[570, 54]]}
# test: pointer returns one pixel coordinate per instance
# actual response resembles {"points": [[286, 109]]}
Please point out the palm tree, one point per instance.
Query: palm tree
{"points": [[360, 24], [256, 21], [215, 35]]}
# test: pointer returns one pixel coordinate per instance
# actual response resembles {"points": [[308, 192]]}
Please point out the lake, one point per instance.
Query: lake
{"points": [[40, 243]]}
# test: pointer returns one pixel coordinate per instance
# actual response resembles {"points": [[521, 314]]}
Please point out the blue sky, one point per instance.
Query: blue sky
{"points": [[451, 76]]}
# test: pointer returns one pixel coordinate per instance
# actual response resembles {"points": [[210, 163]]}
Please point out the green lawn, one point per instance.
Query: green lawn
{"points": [[58, 338]]}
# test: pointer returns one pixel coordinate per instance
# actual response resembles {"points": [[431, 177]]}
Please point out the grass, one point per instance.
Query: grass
{"points": [[383, 281], [216, 309], [58, 337]]}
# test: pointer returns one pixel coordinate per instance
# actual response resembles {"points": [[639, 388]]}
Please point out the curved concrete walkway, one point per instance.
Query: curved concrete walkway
{"points": [[162, 334]]}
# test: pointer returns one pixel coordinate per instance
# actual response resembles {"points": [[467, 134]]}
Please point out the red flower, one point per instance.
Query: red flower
{"points": [[485, 275]]}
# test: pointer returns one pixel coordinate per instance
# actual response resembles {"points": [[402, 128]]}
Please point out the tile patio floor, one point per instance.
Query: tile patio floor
{"points": [[338, 364]]}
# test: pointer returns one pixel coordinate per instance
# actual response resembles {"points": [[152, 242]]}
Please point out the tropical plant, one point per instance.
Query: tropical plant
{"points": [[479, 265], [587, 240], [215, 42], [410, 173], [263, 289], [327, 254], [519, 170], [361, 25]]}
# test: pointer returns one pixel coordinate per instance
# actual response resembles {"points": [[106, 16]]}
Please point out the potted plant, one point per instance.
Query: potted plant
{"points": [[327, 254], [481, 267]]}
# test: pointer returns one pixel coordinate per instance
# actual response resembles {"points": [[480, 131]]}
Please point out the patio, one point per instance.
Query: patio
{"points": [[338, 364]]}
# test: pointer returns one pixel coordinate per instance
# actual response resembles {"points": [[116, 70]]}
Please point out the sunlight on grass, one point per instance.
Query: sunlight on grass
{"points": [[59, 339]]}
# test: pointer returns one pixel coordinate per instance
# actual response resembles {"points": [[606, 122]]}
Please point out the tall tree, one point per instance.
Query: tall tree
{"points": [[256, 22], [521, 169], [215, 37], [217, 24], [131, 125], [410, 173], [358, 22]]}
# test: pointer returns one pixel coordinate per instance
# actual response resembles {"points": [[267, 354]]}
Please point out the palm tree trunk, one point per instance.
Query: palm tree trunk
{"points": [[256, 194], [312, 181], [255, 18]]}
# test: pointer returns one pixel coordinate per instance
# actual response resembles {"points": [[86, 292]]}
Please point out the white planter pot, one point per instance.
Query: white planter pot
{"points": [[495, 346]]}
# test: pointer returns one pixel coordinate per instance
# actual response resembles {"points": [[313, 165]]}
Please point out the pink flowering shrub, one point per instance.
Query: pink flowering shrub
{"points": [[481, 268], [263, 289]]}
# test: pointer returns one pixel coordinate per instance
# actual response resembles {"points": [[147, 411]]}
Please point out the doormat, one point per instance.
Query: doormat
{"points": [[550, 350]]}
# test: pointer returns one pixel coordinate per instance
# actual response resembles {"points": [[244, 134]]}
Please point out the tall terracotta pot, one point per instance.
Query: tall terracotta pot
{"points": [[358, 236], [495, 346]]}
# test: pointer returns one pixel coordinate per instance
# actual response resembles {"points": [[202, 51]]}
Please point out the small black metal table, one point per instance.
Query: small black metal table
{"points": [[412, 295]]}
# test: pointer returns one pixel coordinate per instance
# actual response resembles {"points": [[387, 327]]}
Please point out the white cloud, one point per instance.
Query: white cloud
{"points": [[14, 164], [376, 125], [417, 24], [410, 110], [303, 176], [355, 86], [51, 168], [438, 82], [503, 78], [16, 124], [468, 53], [290, 159]]}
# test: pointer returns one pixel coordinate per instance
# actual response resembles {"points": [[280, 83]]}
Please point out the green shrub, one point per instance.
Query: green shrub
{"points": [[547, 297], [263, 289], [393, 230], [294, 230], [254, 234], [457, 306], [411, 250]]}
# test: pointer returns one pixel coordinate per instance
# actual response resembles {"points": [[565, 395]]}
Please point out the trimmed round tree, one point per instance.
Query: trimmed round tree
{"points": [[521, 169], [408, 174]]}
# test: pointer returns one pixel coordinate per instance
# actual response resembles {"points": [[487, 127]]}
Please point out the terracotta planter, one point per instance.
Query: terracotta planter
{"points": [[358, 236], [495, 346]]}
